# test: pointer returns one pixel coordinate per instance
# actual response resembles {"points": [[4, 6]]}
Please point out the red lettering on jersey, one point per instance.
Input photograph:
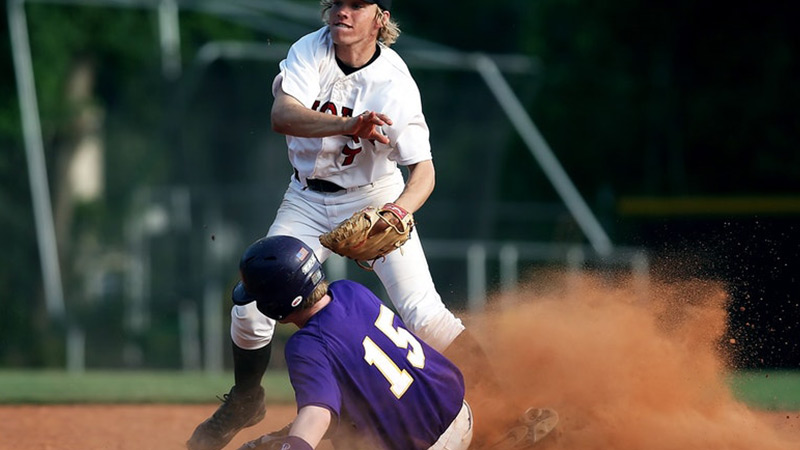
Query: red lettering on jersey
{"points": [[328, 107], [350, 154]]}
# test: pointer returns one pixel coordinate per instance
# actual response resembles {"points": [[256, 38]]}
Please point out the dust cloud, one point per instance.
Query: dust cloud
{"points": [[627, 366]]}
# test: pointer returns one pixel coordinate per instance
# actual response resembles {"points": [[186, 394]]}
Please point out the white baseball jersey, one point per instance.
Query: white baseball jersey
{"points": [[311, 75]]}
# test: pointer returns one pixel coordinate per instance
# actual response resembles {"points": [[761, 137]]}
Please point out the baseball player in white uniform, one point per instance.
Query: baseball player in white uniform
{"points": [[352, 114]]}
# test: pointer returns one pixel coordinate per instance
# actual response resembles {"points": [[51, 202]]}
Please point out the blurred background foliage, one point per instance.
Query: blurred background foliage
{"points": [[642, 102]]}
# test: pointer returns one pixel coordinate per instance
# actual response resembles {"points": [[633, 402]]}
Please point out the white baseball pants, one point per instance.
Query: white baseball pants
{"points": [[458, 435]]}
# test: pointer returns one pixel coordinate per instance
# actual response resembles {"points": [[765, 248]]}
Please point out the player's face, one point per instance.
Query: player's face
{"points": [[353, 22]]}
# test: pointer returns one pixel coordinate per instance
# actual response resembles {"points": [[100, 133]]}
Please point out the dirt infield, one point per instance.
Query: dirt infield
{"points": [[120, 427], [628, 368], [156, 427]]}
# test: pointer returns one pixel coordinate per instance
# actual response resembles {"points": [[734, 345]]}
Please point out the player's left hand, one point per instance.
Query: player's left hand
{"points": [[265, 442], [370, 233], [367, 126], [270, 441], [393, 215]]}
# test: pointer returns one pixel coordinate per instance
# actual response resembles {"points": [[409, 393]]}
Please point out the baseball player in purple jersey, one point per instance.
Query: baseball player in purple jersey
{"points": [[352, 115], [360, 377]]}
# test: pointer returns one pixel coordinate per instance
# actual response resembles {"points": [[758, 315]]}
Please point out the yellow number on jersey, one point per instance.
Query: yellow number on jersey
{"points": [[399, 379]]}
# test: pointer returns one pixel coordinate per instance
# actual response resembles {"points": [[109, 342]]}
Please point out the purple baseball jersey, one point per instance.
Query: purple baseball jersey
{"points": [[356, 358]]}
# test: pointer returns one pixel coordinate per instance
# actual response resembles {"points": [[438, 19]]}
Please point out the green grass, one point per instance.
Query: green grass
{"points": [[128, 387], [772, 390], [769, 390]]}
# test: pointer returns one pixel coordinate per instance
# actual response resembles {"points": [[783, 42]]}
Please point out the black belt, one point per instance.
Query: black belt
{"points": [[319, 185], [322, 186]]}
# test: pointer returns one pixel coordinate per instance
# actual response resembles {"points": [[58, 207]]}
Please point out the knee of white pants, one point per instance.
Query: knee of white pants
{"points": [[250, 330], [439, 329], [458, 435], [407, 280]]}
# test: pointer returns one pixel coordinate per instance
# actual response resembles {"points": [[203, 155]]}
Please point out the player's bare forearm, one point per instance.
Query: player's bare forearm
{"points": [[419, 186], [290, 117], [311, 424]]}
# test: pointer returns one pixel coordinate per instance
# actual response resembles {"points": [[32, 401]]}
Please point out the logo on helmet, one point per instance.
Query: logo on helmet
{"points": [[297, 301], [315, 277], [308, 266]]}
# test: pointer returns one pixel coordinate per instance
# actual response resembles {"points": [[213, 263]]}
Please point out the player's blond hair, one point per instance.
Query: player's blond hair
{"points": [[388, 33], [315, 295]]}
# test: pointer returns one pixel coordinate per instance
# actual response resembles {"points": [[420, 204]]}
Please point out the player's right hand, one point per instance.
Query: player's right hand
{"points": [[367, 126]]}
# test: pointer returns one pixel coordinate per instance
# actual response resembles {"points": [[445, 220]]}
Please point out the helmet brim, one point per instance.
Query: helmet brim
{"points": [[240, 296]]}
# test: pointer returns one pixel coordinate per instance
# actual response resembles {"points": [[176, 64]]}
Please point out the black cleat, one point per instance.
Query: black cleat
{"points": [[238, 410]]}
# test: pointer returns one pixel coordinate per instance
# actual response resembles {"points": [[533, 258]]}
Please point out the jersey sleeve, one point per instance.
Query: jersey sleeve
{"points": [[299, 73], [409, 135], [413, 145], [311, 374]]}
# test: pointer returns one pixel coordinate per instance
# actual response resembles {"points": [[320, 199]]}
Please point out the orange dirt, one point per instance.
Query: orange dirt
{"points": [[117, 427], [628, 367], [156, 427]]}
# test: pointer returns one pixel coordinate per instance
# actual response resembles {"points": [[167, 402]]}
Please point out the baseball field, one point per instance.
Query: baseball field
{"points": [[624, 372]]}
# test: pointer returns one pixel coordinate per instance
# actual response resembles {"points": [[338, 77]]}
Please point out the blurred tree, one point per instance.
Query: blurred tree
{"points": [[97, 70]]}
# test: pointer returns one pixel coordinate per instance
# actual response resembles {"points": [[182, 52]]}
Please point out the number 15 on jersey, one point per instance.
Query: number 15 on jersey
{"points": [[399, 379]]}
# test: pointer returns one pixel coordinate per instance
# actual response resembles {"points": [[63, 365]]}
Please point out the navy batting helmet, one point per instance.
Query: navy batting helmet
{"points": [[278, 273]]}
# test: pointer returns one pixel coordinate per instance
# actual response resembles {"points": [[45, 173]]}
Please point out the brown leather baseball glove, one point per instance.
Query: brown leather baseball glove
{"points": [[370, 233]]}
